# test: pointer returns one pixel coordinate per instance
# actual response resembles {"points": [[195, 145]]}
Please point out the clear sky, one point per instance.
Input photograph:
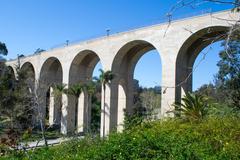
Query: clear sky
{"points": [[30, 24]]}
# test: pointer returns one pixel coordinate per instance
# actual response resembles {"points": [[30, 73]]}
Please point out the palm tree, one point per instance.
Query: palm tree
{"points": [[193, 107], [58, 90], [105, 78], [75, 90], [90, 88]]}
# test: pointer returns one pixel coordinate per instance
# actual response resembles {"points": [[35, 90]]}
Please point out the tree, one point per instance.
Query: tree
{"points": [[58, 90], [228, 77], [227, 81], [16, 104], [193, 107], [4, 52], [96, 105], [105, 78], [75, 90], [90, 88], [3, 49], [151, 101]]}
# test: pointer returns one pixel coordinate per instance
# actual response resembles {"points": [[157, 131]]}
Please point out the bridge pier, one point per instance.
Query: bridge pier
{"points": [[105, 111]]}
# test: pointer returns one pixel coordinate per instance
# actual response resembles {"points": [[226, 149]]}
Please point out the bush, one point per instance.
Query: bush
{"points": [[211, 138], [193, 107]]}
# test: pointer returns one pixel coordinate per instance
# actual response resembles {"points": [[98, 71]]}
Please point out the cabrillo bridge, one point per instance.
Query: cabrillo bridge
{"points": [[178, 44]]}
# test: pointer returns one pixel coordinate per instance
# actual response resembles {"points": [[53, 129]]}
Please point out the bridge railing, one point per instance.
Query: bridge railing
{"points": [[114, 31]]}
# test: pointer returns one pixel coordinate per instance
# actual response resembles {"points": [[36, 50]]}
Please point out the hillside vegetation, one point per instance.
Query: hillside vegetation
{"points": [[212, 138]]}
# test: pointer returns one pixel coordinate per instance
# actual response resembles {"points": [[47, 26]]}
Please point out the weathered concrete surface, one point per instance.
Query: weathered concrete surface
{"points": [[178, 45]]}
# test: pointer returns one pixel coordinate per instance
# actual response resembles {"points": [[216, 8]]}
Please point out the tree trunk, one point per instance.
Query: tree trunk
{"points": [[88, 109], [104, 89], [76, 112]]}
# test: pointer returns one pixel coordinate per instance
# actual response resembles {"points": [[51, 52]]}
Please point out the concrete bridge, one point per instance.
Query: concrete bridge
{"points": [[178, 45]]}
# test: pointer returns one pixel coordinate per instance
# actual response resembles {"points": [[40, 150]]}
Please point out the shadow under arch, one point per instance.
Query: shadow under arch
{"points": [[11, 72], [188, 54], [51, 73], [81, 71], [29, 72], [122, 86]]}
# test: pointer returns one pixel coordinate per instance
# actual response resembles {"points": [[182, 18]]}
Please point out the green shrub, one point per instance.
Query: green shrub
{"points": [[212, 138], [193, 107]]}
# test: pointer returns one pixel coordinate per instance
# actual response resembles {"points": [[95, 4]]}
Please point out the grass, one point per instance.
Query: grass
{"points": [[36, 135]]}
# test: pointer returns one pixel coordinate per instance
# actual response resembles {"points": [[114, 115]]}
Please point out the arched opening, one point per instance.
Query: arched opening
{"points": [[11, 72], [206, 64], [27, 73], [51, 74], [96, 101], [81, 72], [124, 87], [188, 54], [8, 72], [28, 70]]}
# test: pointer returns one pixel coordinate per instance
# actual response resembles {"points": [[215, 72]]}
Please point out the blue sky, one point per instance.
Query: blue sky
{"points": [[30, 24]]}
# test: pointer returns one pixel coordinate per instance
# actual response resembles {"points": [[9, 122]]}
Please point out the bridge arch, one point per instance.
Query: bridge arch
{"points": [[51, 73], [29, 72], [81, 71], [188, 53], [11, 71], [82, 66], [122, 88]]}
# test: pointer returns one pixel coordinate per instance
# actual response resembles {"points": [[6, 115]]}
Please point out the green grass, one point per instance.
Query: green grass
{"points": [[213, 138]]}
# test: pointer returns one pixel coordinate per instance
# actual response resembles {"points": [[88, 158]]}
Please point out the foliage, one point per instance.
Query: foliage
{"points": [[228, 77], [105, 77], [95, 115], [214, 93], [16, 101], [193, 107], [3, 49], [75, 90], [94, 90], [212, 138], [16, 105], [152, 102], [90, 87], [236, 4], [134, 119], [58, 89]]}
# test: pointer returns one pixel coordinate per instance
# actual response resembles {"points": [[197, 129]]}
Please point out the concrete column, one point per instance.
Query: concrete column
{"points": [[41, 107], [168, 80], [121, 107], [105, 111], [168, 89], [54, 108], [65, 119], [68, 114], [51, 107], [80, 113]]}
